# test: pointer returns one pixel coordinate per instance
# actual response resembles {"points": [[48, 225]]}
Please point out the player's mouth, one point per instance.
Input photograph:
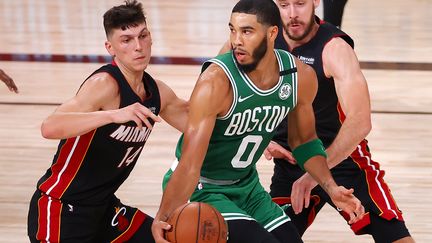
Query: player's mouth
{"points": [[295, 26], [239, 55], [140, 58]]}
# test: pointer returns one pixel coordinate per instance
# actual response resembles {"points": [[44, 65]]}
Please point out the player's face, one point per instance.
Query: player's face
{"points": [[131, 47], [297, 17], [248, 40]]}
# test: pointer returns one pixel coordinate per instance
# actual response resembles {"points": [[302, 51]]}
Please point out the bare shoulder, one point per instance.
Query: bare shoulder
{"points": [[214, 78], [306, 74], [213, 92], [336, 50], [162, 86], [337, 42], [167, 95], [307, 82], [100, 91], [103, 82], [213, 71], [339, 58]]}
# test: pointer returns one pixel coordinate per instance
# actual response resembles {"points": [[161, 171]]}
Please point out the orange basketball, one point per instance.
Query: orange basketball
{"points": [[196, 222]]}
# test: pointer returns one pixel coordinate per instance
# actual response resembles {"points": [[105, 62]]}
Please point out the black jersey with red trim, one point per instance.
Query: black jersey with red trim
{"points": [[328, 113], [88, 169]]}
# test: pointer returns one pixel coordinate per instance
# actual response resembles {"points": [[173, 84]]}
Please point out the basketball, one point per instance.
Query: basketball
{"points": [[196, 222]]}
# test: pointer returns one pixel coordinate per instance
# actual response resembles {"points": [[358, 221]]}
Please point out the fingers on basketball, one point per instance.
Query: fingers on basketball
{"points": [[196, 222]]}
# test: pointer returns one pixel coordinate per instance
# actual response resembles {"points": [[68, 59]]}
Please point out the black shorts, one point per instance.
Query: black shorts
{"points": [[362, 174], [250, 231], [52, 220]]}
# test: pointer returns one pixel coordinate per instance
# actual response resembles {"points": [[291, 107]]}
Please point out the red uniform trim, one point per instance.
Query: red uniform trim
{"points": [[134, 225], [378, 189], [49, 219], [314, 201], [65, 168], [358, 227]]}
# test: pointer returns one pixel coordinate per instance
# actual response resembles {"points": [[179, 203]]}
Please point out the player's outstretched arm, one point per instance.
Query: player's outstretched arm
{"points": [[208, 100], [341, 63], [8, 81], [309, 152], [95, 105], [174, 110]]}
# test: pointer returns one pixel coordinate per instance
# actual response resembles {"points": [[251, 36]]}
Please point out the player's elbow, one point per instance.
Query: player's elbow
{"points": [[366, 127], [363, 126], [48, 131]]}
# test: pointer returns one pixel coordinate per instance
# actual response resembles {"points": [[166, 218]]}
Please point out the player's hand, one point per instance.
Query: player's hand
{"points": [[301, 192], [8, 81], [274, 150], [136, 113], [158, 230], [345, 200]]}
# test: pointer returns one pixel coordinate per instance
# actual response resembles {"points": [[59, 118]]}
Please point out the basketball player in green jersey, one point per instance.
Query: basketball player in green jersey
{"points": [[237, 103]]}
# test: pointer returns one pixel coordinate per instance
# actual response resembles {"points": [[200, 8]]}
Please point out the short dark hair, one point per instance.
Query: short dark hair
{"points": [[267, 11], [123, 16]]}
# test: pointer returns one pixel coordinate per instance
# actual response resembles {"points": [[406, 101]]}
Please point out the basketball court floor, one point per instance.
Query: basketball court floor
{"points": [[50, 46]]}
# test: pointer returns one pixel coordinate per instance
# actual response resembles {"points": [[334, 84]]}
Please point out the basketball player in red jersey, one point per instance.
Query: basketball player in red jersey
{"points": [[342, 113], [103, 130]]}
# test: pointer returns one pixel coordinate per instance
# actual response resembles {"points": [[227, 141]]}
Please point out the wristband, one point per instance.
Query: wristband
{"points": [[308, 150]]}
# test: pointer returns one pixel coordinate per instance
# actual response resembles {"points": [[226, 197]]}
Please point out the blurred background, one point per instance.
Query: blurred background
{"points": [[50, 46]]}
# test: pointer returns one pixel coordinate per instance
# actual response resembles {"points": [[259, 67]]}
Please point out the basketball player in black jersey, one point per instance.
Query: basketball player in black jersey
{"points": [[342, 112], [103, 130], [8, 81]]}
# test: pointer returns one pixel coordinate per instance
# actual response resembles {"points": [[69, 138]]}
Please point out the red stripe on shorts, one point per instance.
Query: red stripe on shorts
{"points": [[378, 189], [134, 225], [49, 219]]}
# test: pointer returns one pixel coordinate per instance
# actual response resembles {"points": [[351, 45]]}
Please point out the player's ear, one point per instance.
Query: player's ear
{"points": [[109, 48], [273, 32]]}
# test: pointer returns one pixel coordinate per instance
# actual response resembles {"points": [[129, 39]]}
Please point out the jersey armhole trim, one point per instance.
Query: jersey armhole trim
{"points": [[233, 84]]}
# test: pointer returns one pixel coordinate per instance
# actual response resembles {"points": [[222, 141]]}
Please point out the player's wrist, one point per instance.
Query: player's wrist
{"points": [[329, 186]]}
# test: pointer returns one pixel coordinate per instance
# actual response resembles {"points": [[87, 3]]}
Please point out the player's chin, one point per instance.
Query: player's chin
{"points": [[140, 66], [245, 61], [296, 35]]}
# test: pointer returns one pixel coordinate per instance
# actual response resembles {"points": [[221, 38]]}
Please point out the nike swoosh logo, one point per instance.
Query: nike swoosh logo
{"points": [[241, 99]]}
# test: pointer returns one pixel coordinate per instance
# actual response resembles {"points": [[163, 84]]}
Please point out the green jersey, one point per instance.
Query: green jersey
{"points": [[240, 136]]}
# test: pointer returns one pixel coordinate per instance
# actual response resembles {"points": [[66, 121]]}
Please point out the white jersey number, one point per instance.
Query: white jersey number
{"points": [[256, 141], [130, 156]]}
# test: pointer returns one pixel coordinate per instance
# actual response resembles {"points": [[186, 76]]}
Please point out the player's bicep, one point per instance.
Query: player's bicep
{"points": [[301, 125], [341, 63], [174, 110], [301, 121], [93, 95], [207, 101]]}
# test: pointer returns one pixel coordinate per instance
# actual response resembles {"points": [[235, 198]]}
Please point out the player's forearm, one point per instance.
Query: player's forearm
{"points": [[351, 133], [178, 191], [317, 168], [177, 116], [62, 125]]}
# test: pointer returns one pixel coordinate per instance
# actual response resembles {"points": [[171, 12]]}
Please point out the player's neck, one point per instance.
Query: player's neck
{"points": [[134, 78], [266, 74]]}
